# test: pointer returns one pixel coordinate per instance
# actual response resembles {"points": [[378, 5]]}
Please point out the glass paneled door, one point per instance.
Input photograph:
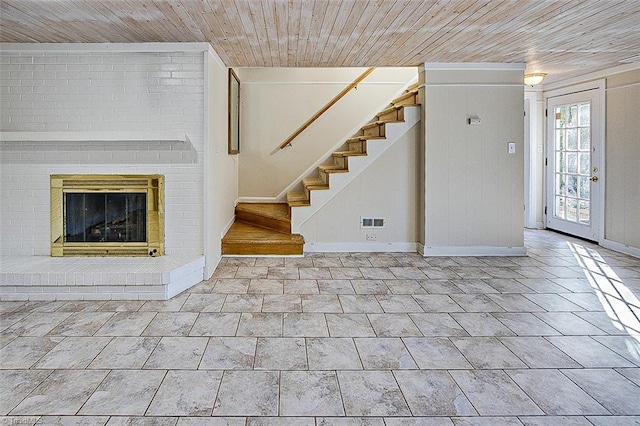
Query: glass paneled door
{"points": [[573, 181]]}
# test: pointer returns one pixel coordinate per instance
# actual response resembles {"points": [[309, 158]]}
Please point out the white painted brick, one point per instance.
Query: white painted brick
{"points": [[124, 296], [129, 67], [52, 290], [170, 67], [55, 67], [96, 296], [31, 67], [111, 289], [21, 59], [91, 59], [187, 59], [113, 59], [69, 296], [28, 289], [69, 59], [79, 67], [44, 60], [42, 296], [16, 297]]}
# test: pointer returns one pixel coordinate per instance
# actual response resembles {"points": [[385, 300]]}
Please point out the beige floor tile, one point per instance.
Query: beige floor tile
{"points": [[341, 339]]}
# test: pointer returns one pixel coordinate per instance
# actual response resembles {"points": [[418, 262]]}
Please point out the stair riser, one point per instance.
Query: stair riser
{"points": [[374, 132], [360, 146], [324, 176], [392, 116], [342, 162], [263, 222], [316, 187], [262, 249]]}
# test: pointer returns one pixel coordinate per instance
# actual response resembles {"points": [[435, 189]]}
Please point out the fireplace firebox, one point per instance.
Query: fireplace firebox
{"points": [[107, 215]]}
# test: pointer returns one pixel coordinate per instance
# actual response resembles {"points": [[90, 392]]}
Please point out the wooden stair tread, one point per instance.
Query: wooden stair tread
{"points": [[392, 108], [245, 239], [357, 139], [408, 95], [314, 183], [413, 87], [247, 233], [348, 154], [373, 124], [278, 211], [368, 137], [297, 199], [332, 168]]}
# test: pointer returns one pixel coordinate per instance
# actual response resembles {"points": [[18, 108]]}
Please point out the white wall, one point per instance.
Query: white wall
{"points": [[221, 169], [97, 94], [622, 197], [388, 188], [473, 188], [276, 101]]}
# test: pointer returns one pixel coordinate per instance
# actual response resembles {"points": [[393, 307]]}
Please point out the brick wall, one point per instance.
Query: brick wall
{"points": [[59, 96]]}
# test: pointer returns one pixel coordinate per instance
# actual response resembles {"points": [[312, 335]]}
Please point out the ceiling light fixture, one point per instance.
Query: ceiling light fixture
{"points": [[534, 78]]}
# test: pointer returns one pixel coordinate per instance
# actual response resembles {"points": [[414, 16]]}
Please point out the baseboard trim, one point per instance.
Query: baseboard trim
{"points": [[536, 226], [361, 247], [471, 251], [257, 200], [228, 226], [619, 247]]}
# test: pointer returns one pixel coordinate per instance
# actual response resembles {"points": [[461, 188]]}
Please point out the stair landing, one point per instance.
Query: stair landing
{"points": [[262, 229]]}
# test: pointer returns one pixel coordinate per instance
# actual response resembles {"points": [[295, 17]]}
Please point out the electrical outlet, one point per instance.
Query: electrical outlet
{"points": [[372, 237]]}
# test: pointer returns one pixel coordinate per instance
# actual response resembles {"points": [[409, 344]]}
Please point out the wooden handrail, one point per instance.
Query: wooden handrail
{"points": [[322, 110]]}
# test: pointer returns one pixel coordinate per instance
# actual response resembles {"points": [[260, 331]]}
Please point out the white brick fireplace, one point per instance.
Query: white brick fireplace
{"points": [[87, 109]]}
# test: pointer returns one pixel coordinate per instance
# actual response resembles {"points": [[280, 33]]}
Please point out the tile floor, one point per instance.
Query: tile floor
{"points": [[343, 339]]}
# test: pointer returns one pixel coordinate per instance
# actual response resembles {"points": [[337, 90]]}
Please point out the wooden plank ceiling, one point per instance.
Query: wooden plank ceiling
{"points": [[563, 38]]}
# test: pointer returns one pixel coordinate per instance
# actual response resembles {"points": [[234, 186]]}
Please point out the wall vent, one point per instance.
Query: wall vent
{"points": [[373, 222]]}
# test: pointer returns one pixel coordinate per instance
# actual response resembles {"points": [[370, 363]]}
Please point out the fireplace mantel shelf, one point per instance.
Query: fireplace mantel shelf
{"points": [[94, 136]]}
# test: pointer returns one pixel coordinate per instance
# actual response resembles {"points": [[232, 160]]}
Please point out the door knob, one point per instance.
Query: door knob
{"points": [[593, 178]]}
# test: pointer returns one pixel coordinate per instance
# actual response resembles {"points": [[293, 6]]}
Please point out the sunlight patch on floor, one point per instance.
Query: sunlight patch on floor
{"points": [[619, 302]]}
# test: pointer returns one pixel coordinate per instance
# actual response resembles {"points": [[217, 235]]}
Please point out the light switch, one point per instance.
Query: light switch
{"points": [[512, 147]]}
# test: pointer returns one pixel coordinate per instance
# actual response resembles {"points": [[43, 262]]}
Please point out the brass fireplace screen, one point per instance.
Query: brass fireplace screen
{"points": [[107, 215]]}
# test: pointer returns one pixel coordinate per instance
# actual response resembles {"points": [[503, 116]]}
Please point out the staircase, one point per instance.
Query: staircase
{"points": [[265, 228], [354, 147]]}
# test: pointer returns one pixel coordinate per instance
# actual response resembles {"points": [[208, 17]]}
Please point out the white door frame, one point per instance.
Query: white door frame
{"points": [[600, 86], [531, 172]]}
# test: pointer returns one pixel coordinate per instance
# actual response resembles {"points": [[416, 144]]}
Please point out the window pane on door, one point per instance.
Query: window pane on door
{"points": [[559, 207], [585, 139], [572, 162]]}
